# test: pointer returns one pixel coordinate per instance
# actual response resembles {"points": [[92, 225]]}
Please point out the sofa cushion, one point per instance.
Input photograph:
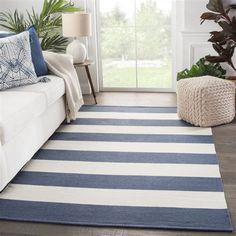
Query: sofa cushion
{"points": [[16, 67], [51, 90], [19, 106]]}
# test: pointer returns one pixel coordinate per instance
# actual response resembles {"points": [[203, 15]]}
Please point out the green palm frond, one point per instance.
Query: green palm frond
{"points": [[55, 6], [13, 22], [33, 19], [48, 23], [54, 42]]}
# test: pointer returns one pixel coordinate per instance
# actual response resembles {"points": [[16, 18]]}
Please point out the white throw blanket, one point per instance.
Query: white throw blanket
{"points": [[61, 65]]}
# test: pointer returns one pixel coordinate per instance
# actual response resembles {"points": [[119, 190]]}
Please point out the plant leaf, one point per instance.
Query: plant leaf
{"points": [[14, 22], [201, 68], [54, 42], [216, 6], [218, 37], [210, 16]]}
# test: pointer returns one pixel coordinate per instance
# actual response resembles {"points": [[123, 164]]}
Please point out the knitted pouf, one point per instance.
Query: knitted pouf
{"points": [[206, 101]]}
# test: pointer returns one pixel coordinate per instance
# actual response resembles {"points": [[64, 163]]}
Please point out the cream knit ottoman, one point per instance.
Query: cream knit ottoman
{"points": [[206, 101]]}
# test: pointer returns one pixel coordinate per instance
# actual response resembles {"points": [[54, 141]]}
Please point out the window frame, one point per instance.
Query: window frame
{"points": [[134, 89]]}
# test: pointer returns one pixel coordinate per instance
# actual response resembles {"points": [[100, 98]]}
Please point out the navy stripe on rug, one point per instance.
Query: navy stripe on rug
{"points": [[93, 215], [127, 122], [119, 182], [149, 138], [124, 157], [128, 109]]}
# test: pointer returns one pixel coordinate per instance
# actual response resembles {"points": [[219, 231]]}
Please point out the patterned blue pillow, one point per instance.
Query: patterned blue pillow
{"points": [[40, 65], [16, 67]]}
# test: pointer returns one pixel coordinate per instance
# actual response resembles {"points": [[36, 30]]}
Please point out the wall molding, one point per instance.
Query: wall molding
{"points": [[195, 45], [198, 50]]}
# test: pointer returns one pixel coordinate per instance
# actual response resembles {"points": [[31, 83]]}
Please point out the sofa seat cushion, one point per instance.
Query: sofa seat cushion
{"points": [[51, 90], [19, 106]]}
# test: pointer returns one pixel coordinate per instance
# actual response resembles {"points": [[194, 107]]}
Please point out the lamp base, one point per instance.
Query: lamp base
{"points": [[77, 50]]}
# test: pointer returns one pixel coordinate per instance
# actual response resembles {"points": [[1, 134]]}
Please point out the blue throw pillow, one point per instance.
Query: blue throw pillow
{"points": [[40, 65], [37, 54]]}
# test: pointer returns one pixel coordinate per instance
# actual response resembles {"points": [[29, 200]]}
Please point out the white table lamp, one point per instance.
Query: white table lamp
{"points": [[75, 25]]}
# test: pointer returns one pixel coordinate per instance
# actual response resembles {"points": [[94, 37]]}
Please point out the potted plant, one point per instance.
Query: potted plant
{"points": [[202, 68], [48, 23], [224, 40]]}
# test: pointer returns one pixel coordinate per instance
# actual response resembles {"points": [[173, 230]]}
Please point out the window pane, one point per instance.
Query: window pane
{"points": [[154, 43], [115, 13], [136, 43], [154, 66], [119, 60]]}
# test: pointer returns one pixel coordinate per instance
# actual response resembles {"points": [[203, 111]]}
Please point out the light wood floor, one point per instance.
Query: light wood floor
{"points": [[225, 139]]}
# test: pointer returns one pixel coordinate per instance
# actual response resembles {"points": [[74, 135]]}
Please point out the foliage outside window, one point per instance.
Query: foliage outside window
{"points": [[116, 43]]}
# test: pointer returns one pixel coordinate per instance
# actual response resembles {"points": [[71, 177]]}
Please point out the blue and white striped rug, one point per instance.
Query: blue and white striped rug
{"points": [[122, 166]]}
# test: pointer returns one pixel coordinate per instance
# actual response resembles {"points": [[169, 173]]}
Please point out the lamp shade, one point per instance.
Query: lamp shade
{"points": [[76, 24]]}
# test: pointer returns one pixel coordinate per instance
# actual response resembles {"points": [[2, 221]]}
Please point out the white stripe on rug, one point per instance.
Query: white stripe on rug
{"points": [[128, 169], [135, 130], [130, 147], [113, 197], [130, 116]]}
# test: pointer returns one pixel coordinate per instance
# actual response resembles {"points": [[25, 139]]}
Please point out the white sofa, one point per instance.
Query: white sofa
{"points": [[29, 115]]}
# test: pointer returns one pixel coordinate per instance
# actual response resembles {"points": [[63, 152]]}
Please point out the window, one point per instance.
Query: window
{"points": [[135, 44]]}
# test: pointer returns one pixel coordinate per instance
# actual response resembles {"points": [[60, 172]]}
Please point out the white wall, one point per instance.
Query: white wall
{"points": [[193, 11], [23, 5], [192, 36]]}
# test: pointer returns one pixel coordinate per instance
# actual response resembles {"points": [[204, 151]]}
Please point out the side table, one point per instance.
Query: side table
{"points": [[86, 65]]}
